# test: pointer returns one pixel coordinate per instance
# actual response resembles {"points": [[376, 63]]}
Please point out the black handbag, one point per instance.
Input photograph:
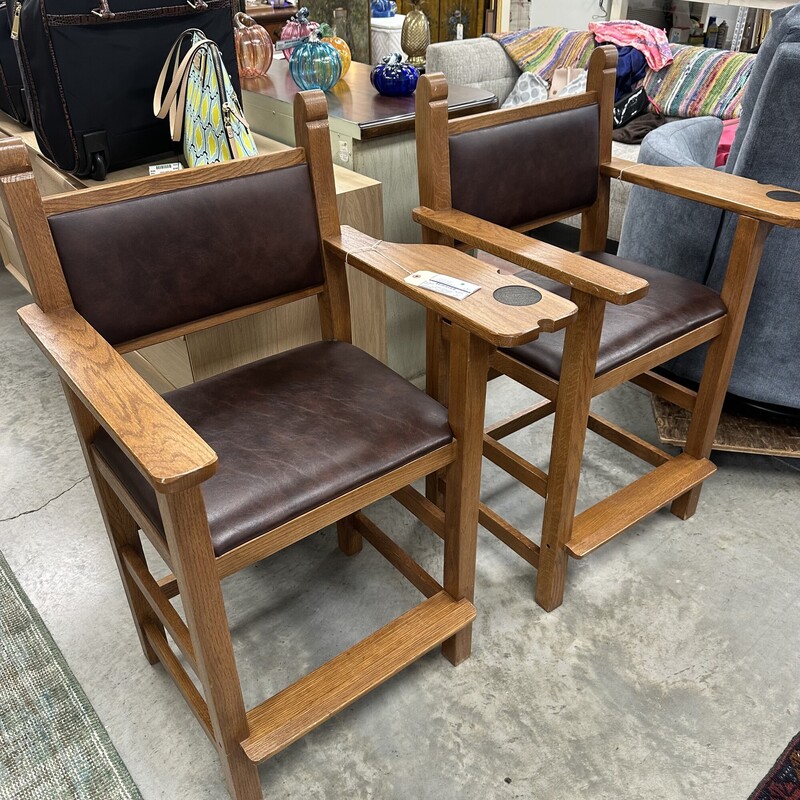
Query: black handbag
{"points": [[89, 68], [12, 95]]}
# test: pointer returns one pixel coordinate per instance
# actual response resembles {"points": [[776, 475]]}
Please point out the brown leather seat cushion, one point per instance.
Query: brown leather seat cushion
{"points": [[293, 431], [673, 306]]}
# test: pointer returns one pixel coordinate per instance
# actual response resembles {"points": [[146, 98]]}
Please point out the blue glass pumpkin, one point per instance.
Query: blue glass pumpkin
{"points": [[394, 78], [315, 65]]}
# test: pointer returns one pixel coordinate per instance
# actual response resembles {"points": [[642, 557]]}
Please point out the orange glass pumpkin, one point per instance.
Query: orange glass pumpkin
{"points": [[327, 34], [253, 47]]}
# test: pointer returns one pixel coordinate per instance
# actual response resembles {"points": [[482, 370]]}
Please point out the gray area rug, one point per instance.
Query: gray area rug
{"points": [[52, 743]]}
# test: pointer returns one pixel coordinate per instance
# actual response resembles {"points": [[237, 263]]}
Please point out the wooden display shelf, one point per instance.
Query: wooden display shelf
{"points": [[199, 355]]}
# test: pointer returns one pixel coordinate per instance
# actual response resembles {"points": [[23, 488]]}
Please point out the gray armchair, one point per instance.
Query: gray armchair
{"points": [[694, 241]]}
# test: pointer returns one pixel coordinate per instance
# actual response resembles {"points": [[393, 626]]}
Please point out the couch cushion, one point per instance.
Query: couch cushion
{"points": [[700, 82], [673, 306], [293, 431]]}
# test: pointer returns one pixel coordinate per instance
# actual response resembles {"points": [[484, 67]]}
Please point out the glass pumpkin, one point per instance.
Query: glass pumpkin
{"points": [[315, 65], [327, 34], [296, 28], [394, 78], [254, 47]]}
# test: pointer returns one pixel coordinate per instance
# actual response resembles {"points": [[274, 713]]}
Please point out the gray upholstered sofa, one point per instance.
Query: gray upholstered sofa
{"points": [[766, 149]]}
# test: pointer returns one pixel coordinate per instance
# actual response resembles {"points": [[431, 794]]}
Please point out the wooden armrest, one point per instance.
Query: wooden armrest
{"points": [[571, 269], [165, 449], [481, 314], [713, 188]]}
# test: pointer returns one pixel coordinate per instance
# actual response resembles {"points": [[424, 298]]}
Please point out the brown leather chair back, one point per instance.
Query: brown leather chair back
{"points": [[152, 263], [517, 172]]}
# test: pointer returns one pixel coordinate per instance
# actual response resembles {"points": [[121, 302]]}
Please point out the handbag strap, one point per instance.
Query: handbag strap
{"points": [[164, 105]]}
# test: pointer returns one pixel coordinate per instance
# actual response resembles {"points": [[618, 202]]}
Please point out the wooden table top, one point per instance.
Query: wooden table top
{"points": [[354, 99]]}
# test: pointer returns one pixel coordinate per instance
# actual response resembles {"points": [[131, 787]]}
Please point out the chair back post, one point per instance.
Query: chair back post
{"points": [[601, 80], [28, 222], [312, 133], [433, 151]]}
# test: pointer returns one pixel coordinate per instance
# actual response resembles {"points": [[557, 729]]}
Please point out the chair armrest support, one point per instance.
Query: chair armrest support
{"points": [[163, 447], [481, 314], [712, 187], [571, 269]]}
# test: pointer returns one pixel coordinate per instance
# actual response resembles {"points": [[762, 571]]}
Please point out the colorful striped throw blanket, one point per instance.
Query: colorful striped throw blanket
{"points": [[700, 83], [542, 50]]}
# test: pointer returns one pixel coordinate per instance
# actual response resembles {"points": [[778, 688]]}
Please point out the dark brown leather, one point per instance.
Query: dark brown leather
{"points": [[515, 173], [293, 431], [673, 306], [145, 265]]}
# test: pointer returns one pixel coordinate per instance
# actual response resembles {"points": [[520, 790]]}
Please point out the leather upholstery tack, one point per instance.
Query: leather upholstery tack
{"points": [[141, 266], [514, 173], [673, 306], [293, 431]]}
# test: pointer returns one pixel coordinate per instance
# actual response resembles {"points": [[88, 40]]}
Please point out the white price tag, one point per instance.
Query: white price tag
{"points": [[442, 284], [160, 169]]}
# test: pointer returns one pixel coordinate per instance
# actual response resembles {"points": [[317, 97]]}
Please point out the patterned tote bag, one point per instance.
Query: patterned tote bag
{"points": [[201, 103]]}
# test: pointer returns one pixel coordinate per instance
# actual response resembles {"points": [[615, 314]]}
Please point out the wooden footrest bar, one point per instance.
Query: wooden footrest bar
{"points": [[304, 705], [603, 521]]}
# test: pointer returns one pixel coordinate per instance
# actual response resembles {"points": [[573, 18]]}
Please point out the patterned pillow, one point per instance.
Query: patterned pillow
{"points": [[541, 50], [528, 89], [700, 83]]}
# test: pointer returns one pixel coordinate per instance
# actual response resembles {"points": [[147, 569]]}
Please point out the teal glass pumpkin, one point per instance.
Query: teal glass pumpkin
{"points": [[315, 65]]}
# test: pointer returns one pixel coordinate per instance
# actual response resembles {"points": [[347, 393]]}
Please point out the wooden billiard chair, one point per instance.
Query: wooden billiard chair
{"points": [[228, 471], [484, 180]]}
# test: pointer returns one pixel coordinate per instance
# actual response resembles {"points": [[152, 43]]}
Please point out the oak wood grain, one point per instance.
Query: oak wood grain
{"points": [[601, 80], [502, 116], [509, 535], [711, 187], [571, 269], [617, 512], [189, 541], [396, 556], [737, 289], [312, 700], [157, 184], [480, 313], [581, 345], [162, 446]]}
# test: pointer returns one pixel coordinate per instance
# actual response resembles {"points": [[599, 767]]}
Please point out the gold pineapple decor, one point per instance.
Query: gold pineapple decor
{"points": [[416, 35]]}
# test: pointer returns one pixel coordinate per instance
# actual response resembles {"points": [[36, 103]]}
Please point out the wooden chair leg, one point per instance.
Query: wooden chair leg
{"points": [[121, 527], [740, 277], [436, 386], [350, 540], [469, 364], [189, 541], [569, 435]]}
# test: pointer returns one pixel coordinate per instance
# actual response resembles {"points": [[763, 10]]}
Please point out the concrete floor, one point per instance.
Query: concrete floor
{"points": [[671, 671]]}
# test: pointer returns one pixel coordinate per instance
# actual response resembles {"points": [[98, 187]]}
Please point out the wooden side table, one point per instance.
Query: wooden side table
{"points": [[199, 355]]}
